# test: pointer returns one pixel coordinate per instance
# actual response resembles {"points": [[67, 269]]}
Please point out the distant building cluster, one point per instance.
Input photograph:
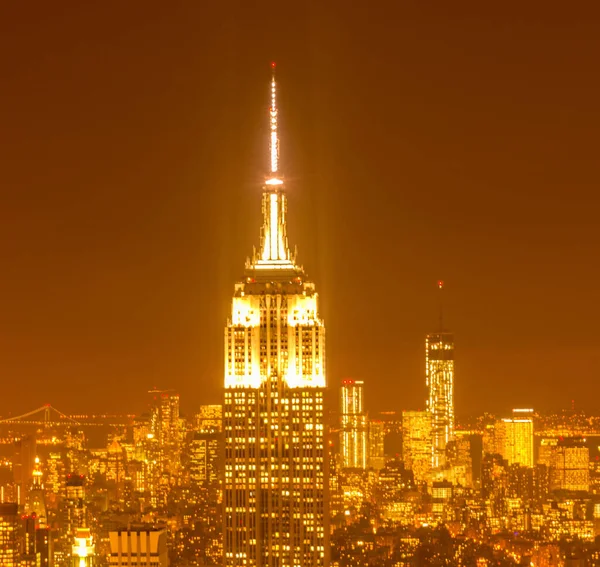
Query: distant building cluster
{"points": [[150, 497]]}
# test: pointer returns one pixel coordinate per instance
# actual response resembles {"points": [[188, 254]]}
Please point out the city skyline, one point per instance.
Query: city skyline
{"points": [[391, 405], [146, 163]]}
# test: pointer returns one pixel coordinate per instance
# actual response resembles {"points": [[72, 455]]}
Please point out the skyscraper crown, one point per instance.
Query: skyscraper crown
{"points": [[274, 253]]}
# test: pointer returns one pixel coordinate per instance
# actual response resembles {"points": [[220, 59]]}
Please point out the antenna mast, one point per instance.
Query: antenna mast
{"points": [[274, 142]]}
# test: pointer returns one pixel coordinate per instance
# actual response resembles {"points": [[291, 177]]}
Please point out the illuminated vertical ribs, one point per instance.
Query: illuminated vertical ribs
{"points": [[439, 370], [274, 497], [353, 440], [274, 141]]}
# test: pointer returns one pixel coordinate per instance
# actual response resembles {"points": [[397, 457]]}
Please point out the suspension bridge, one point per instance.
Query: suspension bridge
{"points": [[49, 416]]}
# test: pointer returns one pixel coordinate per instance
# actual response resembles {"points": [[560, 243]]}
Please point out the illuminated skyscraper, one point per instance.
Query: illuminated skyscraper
{"points": [[546, 449], [164, 408], [83, 551], [439, 376], [55, 476], [23, 465], [28, 556], [376, 444], [275, 505], [166, 427], [75, 510], [204, 457], [354, 430], [35, 503], [9, 535], [210, 418], [140, 546], [514, 438], [44, 547], [570, 463], [416, 443]]}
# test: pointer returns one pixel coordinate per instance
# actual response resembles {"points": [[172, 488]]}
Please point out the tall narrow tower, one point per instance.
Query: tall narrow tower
{"points": [[275, 505], [439, 374], [353, 434]]}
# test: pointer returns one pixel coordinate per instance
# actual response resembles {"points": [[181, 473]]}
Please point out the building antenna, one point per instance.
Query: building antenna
{"points": [[440, 285], [274, 141]]}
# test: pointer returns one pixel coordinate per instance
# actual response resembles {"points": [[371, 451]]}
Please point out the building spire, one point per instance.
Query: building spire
{"points": [[274, 145], [440, 285], [274, 249], [274, 176]]}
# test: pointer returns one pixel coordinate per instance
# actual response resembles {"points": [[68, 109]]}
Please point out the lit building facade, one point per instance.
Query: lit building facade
{"points": [[416, 444], [210, 418], [165, 426], [546, 449], [23, 465], [514, 438], [29, 556], [143, 546], [55, 476], [439, 373], [570, 464], [74, 504], [354, 429], [83, 551], [35, 503], [10, 524], [44, 547], [376, 444], [204, 457], [275, 504]]}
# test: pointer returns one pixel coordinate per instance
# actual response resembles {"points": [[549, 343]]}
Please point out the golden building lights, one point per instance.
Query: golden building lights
{"points": [[514, 438], [439, 372], [84, 550], [416, 443], [354, 430], [9, 528], [275, 507]]}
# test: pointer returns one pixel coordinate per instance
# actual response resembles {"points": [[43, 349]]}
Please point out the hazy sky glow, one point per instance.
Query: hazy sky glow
{"points": [[418, 143]]}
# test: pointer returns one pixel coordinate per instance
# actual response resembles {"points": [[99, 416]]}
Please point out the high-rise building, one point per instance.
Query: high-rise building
{"points": [[275, 504], [514, 438], [164, 415], [336, 495], [204, 457], [354, 429], [44, 547], [83, 551], [55, 477], [376, 444], [75, 511], [570, 466], [416, 444], [28, 555], [210, 418], [35, 502], [166, 427], [439, 372], [142, 546], [23, 465], [36, 545], [460, 461], [9, 535], [546, 449]]}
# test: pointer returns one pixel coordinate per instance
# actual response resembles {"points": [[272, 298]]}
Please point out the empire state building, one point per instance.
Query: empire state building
{"points": [[275, 504]]}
